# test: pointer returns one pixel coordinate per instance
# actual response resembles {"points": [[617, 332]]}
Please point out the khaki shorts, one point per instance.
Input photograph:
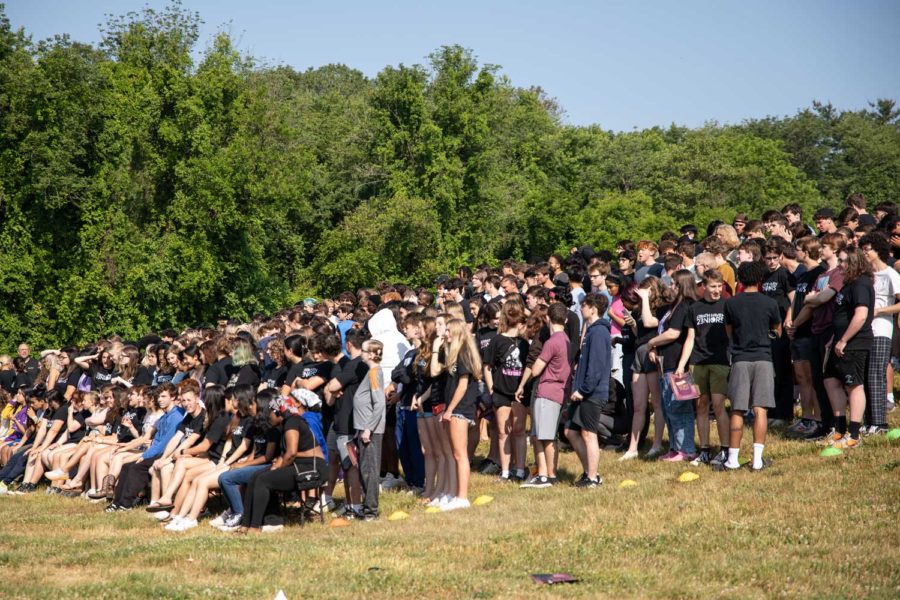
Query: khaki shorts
{"points": [[711, 379]]}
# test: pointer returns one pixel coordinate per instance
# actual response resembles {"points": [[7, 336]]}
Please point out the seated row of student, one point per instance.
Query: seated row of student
{"points": [[18, 443]]}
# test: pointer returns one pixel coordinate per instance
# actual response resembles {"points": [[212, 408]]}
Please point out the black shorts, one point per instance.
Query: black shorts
{"points": [[585, 415], [850, 369], [803, 349], [642, 362], [501, 400]]}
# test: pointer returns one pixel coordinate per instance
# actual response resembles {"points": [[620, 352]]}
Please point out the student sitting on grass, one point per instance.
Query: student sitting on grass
{"points": [[51, 430]]}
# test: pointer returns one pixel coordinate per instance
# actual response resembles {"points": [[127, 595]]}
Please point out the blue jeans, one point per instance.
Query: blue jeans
{"points": [[230, 481], [409, 448], [679, 415]]}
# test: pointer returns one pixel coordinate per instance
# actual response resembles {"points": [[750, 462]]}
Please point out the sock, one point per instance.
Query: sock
{"points": [[840, 424], [326, 498], [757, 455], [854, 429], [504, 474], [733, 457]]}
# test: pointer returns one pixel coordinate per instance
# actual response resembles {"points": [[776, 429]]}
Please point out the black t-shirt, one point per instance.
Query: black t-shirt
{"points": [[805, 284], [221, 372], [164, 377], [8, 380], [311, 369], [100, 376], [244, 429], [573, 329], [505, 357], [350, 376], [777, 285], [645, 334], [402, 375], [466, 406], [671, 353], [60, 414], [248, 374], [77, 435], [295, 371], [276, 376], [142, 377], [136, 416], [262, 439], [216, 435], [110, 427], [707, 319], [752, 316], [191, 424], [297, 423], [32, 368], [483, 339], [73, 378], [859, 293]]}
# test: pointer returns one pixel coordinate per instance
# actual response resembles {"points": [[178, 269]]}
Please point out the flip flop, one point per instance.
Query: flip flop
{"points": [[160, 507]]}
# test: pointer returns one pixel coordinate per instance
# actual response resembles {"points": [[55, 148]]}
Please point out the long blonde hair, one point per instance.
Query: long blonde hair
{"points": [[462, 347]]}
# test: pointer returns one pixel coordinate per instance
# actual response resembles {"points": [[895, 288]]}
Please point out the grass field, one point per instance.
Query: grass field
{"points": [[808, 527]]}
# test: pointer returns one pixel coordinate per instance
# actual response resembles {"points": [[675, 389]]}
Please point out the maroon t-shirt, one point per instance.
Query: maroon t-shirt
{"points": [[821, 318], [555, 376]]}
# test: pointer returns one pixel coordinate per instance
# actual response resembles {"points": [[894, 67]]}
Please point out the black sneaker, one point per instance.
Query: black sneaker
{"points": [[582, 478], [587, 483], [815, 433], [723, 466], [515, 477], [506, 478], [538, 481], [113, 508], [553, 480], [702, 459]]}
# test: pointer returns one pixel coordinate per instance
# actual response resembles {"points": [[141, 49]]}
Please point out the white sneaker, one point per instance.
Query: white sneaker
{"points": [[272, 528], [3, 488], [161, 515], [455, 504], [631, 455], [390, 482], [181, 524], [56, 475], [445, 500], [220, 520], [434, 502]]}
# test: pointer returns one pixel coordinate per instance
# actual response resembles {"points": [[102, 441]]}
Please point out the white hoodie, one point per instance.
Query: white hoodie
{"points": [[383, 328]]}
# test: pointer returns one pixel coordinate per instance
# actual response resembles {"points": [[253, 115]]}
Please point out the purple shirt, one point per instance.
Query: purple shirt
{"points": [[555, 376]]}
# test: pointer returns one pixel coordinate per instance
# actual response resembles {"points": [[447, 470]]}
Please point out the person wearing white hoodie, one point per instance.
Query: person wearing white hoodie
{"points": [[383, 327]]}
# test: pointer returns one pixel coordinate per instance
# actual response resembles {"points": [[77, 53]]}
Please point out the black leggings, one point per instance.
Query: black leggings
{"points": [[259, 497]]}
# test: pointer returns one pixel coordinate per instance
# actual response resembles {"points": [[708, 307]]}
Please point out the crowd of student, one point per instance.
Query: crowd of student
{"points": [[575, 350]]}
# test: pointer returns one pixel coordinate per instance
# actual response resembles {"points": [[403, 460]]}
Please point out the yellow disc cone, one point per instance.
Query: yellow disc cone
{"points": [[482, 500], [398, 515], [432, 509], [688, 476], [627, 483]]}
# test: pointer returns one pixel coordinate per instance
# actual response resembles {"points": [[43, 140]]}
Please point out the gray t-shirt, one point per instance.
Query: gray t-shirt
{"points": [[369, 403]]}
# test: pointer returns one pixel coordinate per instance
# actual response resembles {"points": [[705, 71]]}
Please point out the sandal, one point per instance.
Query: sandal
{"points": [[74, 484], [153, 508]]}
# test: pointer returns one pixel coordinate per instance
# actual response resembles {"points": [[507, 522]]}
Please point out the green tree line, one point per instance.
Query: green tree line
{"points": [[140, 188]]}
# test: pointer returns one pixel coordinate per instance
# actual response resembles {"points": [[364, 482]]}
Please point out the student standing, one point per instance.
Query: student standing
{"points": [[846, 368], [877, 250], [590, 389], [369, 420], [751, 319], [706, 350], [552, 368]]}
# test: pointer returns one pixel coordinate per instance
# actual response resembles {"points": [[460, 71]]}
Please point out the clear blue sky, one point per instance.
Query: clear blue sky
{"points": [[618, 64]]}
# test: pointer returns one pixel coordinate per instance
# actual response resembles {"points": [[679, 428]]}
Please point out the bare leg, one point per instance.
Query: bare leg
{"points": [[459, 432], [520, 440]]}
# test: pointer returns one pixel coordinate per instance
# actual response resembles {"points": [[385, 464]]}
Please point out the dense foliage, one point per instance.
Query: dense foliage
{"points": [[141, 189]]}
